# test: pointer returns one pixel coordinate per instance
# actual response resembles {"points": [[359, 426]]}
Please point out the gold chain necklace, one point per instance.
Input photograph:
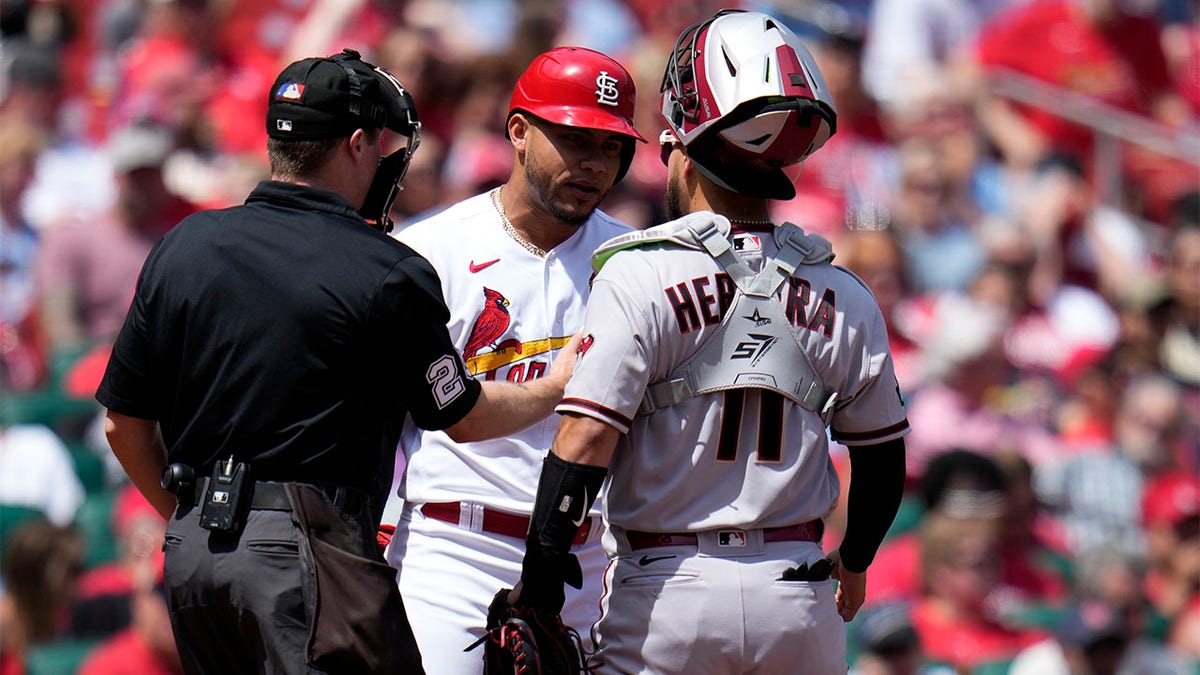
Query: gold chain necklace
{"points": [[745, 221], [512, 231]]}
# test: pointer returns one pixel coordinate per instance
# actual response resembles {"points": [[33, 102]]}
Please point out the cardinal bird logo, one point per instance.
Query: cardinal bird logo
{"points": [[490, 325]]}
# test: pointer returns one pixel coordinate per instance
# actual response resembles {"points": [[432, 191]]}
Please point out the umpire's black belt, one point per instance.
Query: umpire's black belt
{"points": [[271, 496]]}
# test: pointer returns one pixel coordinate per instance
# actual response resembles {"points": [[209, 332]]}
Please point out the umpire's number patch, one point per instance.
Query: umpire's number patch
{"points": [[447, 383]]}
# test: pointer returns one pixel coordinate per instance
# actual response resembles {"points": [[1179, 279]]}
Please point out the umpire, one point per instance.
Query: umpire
{"points": [[269, 358]]}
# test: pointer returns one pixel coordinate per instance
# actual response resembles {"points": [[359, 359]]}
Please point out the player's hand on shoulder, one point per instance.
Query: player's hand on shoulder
{"points": [[564, 362]]}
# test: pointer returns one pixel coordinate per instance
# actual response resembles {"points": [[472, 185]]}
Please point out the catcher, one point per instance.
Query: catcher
{"points": [[721, 352]]}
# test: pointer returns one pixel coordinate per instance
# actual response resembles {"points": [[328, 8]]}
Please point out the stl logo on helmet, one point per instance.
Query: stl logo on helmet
{"points": [[606, 89]]}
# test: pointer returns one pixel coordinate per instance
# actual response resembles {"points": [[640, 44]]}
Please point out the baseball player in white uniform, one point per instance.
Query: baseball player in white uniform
{"points": [[515, 265], [717, 351]]}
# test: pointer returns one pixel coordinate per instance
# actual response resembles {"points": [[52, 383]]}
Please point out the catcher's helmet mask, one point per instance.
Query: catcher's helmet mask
{"points": [[742, 142]]}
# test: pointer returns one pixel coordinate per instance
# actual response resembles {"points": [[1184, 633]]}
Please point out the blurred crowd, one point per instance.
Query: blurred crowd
{"points": [[1018, 181]]}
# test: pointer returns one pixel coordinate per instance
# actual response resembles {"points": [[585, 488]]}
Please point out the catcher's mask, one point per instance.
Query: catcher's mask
{"points": [[578, 87], [330, 97], [744, 96], [391, 170]]}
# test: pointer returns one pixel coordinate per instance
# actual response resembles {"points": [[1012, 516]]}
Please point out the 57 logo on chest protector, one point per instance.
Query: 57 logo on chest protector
{"points": [[754, 348]]}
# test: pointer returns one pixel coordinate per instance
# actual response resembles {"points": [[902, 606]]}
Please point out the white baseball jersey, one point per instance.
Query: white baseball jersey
{"points": [[743, 458], [510, 311]]}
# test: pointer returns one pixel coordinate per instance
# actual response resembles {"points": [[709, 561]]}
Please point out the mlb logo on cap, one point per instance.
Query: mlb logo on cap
{"points": [[289, 91]]}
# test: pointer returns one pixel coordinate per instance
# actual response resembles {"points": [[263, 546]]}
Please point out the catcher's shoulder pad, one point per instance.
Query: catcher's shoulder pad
{"points": [[681, 232]]}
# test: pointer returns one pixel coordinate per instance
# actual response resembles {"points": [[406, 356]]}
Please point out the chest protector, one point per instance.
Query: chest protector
{"points": [[754, 346]]}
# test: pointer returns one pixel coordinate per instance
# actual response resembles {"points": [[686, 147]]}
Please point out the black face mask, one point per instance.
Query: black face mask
{"points": [[385, 187], [400, 115]]}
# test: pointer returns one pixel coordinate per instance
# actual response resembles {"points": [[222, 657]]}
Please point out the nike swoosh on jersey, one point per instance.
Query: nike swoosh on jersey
{"points": [[481, 266], [646, 560], [583, 516]]}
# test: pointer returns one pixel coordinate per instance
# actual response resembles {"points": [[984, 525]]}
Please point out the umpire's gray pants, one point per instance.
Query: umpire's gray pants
{"points": [[300, 591], [236, 601]]}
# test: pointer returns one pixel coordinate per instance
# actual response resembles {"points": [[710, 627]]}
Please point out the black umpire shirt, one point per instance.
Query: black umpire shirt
{"points": [[290, 334]]}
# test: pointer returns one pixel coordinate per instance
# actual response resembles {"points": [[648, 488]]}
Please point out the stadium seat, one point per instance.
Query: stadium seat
{"points": [[88, 467], [57, 658], [12, 516], [94, 522]]}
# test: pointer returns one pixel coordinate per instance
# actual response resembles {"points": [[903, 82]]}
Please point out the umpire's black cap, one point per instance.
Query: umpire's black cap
{"points": [[319, 98]]}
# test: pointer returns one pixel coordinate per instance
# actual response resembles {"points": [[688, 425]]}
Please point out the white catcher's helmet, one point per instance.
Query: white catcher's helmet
{"points": [[744, 96]]}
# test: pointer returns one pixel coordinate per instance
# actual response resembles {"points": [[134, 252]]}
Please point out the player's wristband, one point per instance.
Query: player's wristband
{"points": [[565, 494]]}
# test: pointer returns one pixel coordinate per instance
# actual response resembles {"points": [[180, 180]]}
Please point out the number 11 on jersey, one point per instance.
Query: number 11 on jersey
{"points": [[770, 425]]}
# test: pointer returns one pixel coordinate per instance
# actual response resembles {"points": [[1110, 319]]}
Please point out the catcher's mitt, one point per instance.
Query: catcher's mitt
{"points": [[527, 641]]}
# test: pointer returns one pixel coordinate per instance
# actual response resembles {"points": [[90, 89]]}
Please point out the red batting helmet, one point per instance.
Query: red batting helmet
{"points": [[579, 87], [744, 96]]}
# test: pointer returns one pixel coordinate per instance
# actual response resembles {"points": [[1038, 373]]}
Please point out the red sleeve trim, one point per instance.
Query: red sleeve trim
{"points": [[865, 437], [584, 405]]}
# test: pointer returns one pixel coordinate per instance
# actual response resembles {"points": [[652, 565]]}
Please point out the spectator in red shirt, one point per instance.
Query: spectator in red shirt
{"points": [[1090, 47], [147, 646], [1171, 517], [967, 486], [1099, 51], [955, 619]]}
